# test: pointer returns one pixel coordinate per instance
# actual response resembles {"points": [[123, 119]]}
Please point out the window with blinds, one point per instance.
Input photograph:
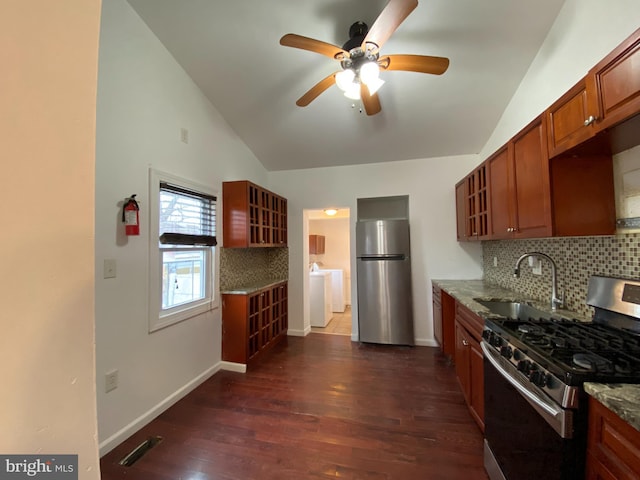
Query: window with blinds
{"points": [[186, 217], [187, 231]]}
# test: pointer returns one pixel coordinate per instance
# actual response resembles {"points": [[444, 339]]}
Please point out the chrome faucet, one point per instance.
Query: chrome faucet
{"points": [[556, 300]]}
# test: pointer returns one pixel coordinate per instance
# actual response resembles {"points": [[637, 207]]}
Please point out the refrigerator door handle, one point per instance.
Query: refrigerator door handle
{"points": [[370, 258]]}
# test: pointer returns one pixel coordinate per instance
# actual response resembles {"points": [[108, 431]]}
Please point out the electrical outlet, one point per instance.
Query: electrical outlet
{"points": [[184, 135], [109, 268], [537, 267], [110, 380], [495, 261]]}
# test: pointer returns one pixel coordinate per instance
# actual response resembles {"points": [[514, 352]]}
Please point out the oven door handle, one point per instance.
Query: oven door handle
{"points": [[531, 396]]}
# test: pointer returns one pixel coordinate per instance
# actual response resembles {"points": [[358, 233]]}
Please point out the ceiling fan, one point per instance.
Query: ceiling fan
{"points": [[360, 57]]}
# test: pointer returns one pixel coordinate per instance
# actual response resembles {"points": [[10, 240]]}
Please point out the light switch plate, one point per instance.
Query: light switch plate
{"points": [[109, 268], [110, 380]]}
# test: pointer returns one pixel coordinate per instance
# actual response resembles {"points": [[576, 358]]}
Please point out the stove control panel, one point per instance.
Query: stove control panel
{"points": [[529, 369]]}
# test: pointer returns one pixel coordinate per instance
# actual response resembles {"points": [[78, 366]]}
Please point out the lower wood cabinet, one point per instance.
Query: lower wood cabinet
{"points": [[613, 449], [443, 321], [253, 323], [469, 360]]}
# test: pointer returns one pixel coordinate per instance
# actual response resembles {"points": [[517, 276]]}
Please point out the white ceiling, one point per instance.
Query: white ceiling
{"points": [[231, 50]]}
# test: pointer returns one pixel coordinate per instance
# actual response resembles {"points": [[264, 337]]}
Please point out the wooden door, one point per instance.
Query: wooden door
{"points": [[476, 366], [482, 202], [571, 119], [531, 182], [437, 316], [461, 211], [448, 305], [462, 359], [616, 79], [501, 196]]}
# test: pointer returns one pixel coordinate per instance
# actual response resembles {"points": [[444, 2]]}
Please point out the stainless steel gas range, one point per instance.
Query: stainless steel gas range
{"points": [[535, 405]]}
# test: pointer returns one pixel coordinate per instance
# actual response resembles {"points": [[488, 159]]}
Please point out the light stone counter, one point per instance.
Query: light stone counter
{"points": [[622, 399], [465, 291]]}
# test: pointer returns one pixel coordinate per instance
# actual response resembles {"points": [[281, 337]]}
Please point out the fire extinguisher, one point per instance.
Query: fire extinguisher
{"points": [[130, 216]]}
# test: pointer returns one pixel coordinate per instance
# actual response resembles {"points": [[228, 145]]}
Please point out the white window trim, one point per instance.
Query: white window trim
{"points": [[157, 319]]}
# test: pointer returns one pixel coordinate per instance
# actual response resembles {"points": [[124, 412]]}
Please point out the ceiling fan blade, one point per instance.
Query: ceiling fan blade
{"points": [[388, 21], [371, 102], [316, 90], [415, 63], [306, 43]]}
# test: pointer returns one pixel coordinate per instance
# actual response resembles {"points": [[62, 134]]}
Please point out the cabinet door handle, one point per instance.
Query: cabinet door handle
{"points": [[465, 343], [590, 120]]}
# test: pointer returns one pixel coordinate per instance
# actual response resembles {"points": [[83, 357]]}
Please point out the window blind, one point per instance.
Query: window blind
{"points": [[187, 217]]}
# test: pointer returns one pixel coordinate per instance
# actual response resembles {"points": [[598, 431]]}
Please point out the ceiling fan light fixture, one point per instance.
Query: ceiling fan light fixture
{"points": [[344, 79], [374, 85], [369, 72], [353, 91]]}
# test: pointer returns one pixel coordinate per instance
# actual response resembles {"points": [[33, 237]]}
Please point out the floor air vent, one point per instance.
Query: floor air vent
{"points": [[137, 453]]}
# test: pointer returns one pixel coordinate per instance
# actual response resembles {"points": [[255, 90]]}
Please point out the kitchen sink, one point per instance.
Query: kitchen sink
{"points": [[510, 309]]}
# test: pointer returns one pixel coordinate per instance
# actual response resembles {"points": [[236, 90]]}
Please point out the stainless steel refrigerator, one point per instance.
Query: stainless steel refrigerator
{"points": [[385, 306]]}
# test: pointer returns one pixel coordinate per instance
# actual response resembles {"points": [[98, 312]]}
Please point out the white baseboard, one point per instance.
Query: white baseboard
{"points": [[117, 438], [429, 342], [233, 367], [299, 333]]}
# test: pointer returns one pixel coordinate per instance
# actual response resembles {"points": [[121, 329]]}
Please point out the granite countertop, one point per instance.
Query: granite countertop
{"points": [[251, 288], [622, 399], [466, 291]]}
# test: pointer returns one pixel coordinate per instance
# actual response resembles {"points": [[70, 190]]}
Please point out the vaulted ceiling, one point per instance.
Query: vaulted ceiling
{"points": [[231, 50]]}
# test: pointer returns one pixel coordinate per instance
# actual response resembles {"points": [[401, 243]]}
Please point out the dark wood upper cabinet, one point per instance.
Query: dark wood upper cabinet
{"points": [[571, 120], [519, 190], [472, 205], [501, 195], [461, 211], [530, 180], [555, 177], [316, 244], [252, 216], [608, 95], [532, 196], [616, 83]]}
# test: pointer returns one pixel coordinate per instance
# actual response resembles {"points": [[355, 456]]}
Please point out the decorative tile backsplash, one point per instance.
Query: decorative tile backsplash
{"points": [[246, 266], [576, 258]]}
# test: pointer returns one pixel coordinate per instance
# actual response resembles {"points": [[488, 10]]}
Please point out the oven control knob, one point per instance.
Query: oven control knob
{"points": [[517, 354], [524, 366], [496, 341], [486, 334], [538, 378], [506, 351]]}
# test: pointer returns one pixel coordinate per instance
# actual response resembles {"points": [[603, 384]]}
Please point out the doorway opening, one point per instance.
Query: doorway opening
{"points": [[329, 270]]}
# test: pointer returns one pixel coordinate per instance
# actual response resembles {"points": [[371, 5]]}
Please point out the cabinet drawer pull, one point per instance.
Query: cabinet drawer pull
{"points": [[465, 343], [590, 120]]}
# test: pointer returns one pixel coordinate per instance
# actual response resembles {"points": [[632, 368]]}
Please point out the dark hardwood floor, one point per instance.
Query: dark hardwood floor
{"points": [[318, 407]]}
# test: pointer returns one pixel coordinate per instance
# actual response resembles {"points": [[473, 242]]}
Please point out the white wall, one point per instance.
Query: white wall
{"points": [[47, 352], [144, 99], [584, 33], [435, 251]]}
